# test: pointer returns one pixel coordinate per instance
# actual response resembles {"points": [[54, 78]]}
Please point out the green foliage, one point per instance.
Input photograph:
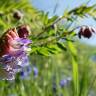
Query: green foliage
{"points": [[50, 37]]}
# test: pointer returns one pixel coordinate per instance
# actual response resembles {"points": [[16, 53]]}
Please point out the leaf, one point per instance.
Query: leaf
{"points": [[72, 48], [45, 18], [61, 46], [75, 70], [53, 49], [75, 76], [43, 51], [82, 10], [51, 20]]}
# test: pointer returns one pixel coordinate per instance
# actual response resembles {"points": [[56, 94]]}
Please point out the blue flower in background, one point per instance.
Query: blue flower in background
{"points": [[35, 71], [25, 73], [93, 57], [64, 82]]}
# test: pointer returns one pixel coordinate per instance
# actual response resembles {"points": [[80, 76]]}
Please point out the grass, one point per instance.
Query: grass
{"points": [[51, 70]]}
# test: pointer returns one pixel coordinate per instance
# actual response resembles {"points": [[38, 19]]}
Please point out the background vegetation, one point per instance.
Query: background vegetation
{"points": [[59, 64]]}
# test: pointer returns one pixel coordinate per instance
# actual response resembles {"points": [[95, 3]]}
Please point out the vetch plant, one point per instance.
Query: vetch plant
{"points": [[13, 56], [49, 36]]}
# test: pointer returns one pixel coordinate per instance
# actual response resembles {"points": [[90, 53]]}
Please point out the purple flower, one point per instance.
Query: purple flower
{"points": [[22, 59], [25, 73], [64, 82], [13, 54], [35, 71], [10, 65]]}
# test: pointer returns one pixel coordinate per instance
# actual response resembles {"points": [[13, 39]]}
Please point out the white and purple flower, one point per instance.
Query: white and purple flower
{"points": [[13, 53]]}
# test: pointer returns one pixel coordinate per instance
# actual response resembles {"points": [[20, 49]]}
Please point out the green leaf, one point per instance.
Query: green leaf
{"points": [[61, 46], [53, 49], [82, 10], [43, 51], [72, 48], [51, 20], [75, 70], [45, 18], [75, 76]]}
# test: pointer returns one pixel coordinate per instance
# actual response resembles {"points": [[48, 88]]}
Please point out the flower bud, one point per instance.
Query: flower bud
{"points": [[10, 42], [23, 31], [7, 41], [17, 15], [86, 32]]}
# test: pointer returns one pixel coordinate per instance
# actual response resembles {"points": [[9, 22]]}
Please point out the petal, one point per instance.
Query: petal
{"points": [[5, 75], [25, 41]]}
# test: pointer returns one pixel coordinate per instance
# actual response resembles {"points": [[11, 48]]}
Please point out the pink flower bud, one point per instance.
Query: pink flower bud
{"points": [[8, 42]]}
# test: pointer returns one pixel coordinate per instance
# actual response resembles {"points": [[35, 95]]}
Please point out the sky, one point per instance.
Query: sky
{"points": [[62, 5]]}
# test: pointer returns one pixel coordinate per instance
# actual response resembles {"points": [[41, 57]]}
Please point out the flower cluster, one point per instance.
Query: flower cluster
{"points": [[13, 56]]}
